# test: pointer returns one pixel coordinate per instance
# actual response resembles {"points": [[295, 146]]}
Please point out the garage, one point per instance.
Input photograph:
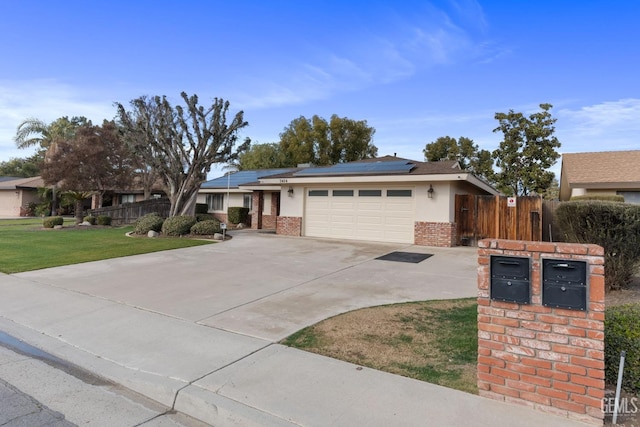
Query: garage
{"points": [[383, 214]]}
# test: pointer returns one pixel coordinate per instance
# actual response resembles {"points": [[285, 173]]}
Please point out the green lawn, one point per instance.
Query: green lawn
{"points": [[25, 245]]}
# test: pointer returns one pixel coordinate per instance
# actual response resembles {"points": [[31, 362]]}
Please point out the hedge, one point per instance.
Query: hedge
{"points": [[614, 226], [205, 217], [90, 219], [147, 223], [178, 225], [601, 197], [202, 208], [622, 332], [206, 228], [103, 220], [236, 214], [52, 221]]}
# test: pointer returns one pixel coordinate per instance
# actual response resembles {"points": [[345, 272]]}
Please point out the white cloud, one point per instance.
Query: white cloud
{"points": [[610, 125], [46, 100], [391, 51]]}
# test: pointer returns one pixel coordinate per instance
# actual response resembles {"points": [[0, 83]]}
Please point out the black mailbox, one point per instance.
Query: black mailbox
{"points": [[510, 279], [564, 284]]}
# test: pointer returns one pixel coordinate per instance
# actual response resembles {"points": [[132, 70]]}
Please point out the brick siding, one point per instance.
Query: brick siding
{"points": [[289, 225], [441, 234], [550, 359]]}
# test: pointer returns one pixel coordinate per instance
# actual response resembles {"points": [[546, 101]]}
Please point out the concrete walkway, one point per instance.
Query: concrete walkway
{"points": [[196, 330]]}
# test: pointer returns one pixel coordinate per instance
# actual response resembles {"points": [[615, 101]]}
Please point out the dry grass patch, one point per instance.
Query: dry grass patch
{"points": [[433, 341]]}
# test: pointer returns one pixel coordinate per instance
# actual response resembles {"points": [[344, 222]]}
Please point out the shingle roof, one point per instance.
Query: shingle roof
{"points": [[602, 167], [33, 182]]}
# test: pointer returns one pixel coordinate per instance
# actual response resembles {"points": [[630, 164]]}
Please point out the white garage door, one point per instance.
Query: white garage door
{"points": [[379, 214]]}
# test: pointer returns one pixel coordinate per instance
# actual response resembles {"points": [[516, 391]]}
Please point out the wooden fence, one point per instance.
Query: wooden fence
{"points": [[129, 212], [498, 217]]}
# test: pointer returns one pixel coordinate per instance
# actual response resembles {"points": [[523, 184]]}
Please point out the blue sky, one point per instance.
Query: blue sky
{"points": [[415, 70]]}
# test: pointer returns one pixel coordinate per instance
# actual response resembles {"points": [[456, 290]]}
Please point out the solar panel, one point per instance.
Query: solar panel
{"points": [[392, 167], [236, 179]]}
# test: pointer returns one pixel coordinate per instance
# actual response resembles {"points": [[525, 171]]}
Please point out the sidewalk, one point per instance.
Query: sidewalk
{"points": [[175, 328]]}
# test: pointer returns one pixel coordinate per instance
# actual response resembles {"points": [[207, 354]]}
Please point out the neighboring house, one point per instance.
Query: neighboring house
{"points": [[606, 172], [17, 193], [133, 194], [387, 199]]}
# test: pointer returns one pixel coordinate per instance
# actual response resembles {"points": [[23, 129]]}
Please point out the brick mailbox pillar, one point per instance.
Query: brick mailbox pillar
{"points": [[534, 352]]}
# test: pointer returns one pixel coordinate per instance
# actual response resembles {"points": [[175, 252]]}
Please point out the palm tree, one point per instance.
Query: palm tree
{"points": [[32, 132]]}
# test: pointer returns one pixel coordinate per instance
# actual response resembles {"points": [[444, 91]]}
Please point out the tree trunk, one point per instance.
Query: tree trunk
{"points": [[79, 213]]}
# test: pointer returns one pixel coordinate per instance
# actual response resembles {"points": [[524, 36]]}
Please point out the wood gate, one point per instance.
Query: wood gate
{"points": [[497, 217]]}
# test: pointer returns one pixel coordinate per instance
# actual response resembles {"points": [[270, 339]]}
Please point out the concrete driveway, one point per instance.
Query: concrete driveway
{"points": [[196, 329], [267, 286]]}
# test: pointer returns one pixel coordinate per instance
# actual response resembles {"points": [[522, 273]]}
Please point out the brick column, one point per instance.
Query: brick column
{"points": [[546, 358], [257, 204], [269, 221]]}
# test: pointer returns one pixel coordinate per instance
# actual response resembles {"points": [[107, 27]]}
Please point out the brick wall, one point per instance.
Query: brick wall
{"points": [[289, 225], [550, 359], [441, 234], [269, 221]]}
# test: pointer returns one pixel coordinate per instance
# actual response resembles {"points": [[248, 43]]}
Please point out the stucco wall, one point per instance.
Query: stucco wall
{"points": [[266, 207], [292, 206], [29, 196], [10, 202], [435, 209]]}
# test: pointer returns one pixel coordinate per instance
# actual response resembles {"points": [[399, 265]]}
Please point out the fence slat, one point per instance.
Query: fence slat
{"points": [[480, 217], [128, 213]]}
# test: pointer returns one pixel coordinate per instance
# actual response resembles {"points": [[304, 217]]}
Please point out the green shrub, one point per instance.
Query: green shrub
{"points": [[236, 214], [31, 209], [90, 219], [178, 225], [201, 208], [614, 226], [204, 217], [103, 220], [622, 332], [601, 197], [149, 222], [52, 221], [206, 228], [43, 209]]}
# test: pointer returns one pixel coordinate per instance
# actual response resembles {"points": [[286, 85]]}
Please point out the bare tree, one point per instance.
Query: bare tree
{"points": [[182, 143]]}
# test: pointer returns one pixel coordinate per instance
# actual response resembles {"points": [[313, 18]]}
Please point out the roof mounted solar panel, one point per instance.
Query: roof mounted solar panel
{"points": [[362, 168], [236, 179]]}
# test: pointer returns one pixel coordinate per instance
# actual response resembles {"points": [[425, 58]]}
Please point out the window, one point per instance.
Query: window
{"points": [[398, 193], [247, 201], [215, 202], [342, 193], [127, 198], [630, 196], [370, 193], [318, 193]]}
